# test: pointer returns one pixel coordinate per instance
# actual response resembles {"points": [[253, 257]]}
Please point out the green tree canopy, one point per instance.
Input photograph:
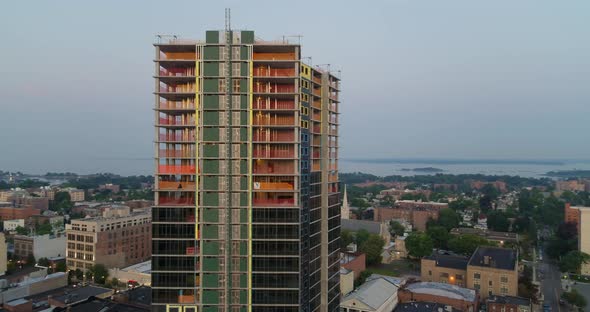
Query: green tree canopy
{"points": [[21, 230], [99, 273], [396, 228], [361, 237], [346, 237], [575, 298], [498, 221], [448, 218], [573, 260], [419, 245], [439, 236], [373, 248], [466, 244]]}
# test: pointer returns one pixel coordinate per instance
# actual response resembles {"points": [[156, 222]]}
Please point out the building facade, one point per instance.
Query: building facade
{"points": [[3, 254], [493, 271], [584, 236], [247, 202], [117, 239], [40, 246], [508, 304], [572, 215]]}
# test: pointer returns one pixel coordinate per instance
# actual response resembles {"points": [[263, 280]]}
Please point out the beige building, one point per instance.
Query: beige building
{"points": [[40, 246], [3, 254], [76, 195], [493, 271], [346, 281], [490, 270], [584, 236], [377, 294], [117, 239]]}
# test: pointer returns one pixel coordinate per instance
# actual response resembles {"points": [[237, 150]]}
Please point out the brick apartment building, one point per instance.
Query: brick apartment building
{"points": [[570, 185], [499, 185], [9, 212], [117, 239], [572, 215], [490, 270], [354, 261], [508, 304], [417, 213]]}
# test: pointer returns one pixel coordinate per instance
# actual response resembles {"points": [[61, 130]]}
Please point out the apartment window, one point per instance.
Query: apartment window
{"points": [[504, 279], [490, 283], [504, 290], [490, 292], [304, 110], [236, 85], [444, 275], [221, 85], [429, 272], [476, 286], [304, 124], [476, 275]]}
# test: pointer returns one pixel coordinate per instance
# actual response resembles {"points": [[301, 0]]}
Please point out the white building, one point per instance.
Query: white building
{"points": [[140, 273], [11, 225], [584, 236], [377, 294]]}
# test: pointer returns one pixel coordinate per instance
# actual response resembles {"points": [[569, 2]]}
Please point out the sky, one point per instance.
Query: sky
{"points": [[429, 79]]}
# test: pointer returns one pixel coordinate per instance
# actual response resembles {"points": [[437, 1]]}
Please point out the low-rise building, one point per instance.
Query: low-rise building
{"points": [[493, 271], [508, 304], [570, 185], [416, 212], [584, 236], [31, 286], [114, 188], [76, 195], [9, 211], [378, 228], [346, 281], [378, 294], [78, 295], [354, 261], [424, 307], [40, 246], [117, 239], [11, 225], [500, 237], [3, 255], [460, 298], [444, 269], [140, 273]]}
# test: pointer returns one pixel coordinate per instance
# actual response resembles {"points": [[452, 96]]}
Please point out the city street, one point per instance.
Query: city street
{"points": [[550, 282]]}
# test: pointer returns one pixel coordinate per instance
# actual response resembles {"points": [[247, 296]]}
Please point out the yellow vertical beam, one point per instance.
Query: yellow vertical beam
{"points": [[197, 106], [250, 144]]}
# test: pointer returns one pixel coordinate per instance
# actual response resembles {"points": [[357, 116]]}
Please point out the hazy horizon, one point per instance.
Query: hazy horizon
{"points": [[435, 80]]}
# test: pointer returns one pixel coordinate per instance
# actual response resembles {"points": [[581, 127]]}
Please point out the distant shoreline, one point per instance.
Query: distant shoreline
{"points": [[449, 161], [425, 169]]}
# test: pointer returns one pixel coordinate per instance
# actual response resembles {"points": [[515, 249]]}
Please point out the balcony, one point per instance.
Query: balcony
{"points": [[262, 199], [177, 72], [184, 137], [316, 116], [177, 169], [274, 120], [317, 129], [185, 104], [271, 152], [273, 167], [273, 104], [176, 185], [178, 120], [317, 92], [182, 56], [274, 72], [181, 88], [176, 153], [317, 104], [273, 88], [274, 186], [176, 201], [258, 56], [274, 136]]}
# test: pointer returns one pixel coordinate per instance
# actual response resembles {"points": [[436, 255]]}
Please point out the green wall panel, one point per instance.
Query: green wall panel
{"points": [[210, 297], [211, 118], [210, 231], [211, 215], [247, 36], [210, 280], [210, 69], [211, 101], [210, 183], [211, 134], [210, 264], [210, 166], [210, 199], [211, 53], [210, 150], [210, 85], [210, 248], [212, 36]]}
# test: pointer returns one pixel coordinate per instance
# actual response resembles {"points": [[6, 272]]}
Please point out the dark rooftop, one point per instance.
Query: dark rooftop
{"points": [[93, 304], [423, 307], [140, 295], [493, 257], [80, 294], [448, 261], [509, 300]]}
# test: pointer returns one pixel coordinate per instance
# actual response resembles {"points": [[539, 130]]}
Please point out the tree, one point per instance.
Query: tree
{"points": [[44, 228], [573, 260], [419, 245], [60, 267], [567, 231], [62, 202], [361, 237], [99, 273], [498, 221], [439, 236], [466, 244], [21, 230], [31, 260], [575, 298], [43, 262], [448, 218], [373, 248], [346, 238], [396, 228], [558, 247]]}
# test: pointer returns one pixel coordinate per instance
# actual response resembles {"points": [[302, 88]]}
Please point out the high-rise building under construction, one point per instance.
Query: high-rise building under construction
{"points": [[247, 201]]}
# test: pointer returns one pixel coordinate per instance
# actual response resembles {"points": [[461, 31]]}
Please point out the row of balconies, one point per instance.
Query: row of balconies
{"points": [[267, 71], [273, 120], [269, 103], [181, 88], [177, 71], [265, 135], [176, 153], [273, 88], [183, 120], [260, 199], [187, 104]]}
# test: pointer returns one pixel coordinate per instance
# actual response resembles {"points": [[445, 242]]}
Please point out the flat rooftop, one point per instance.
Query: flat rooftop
{"points": [[493, 257], [448, 261], [442, 290]]}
